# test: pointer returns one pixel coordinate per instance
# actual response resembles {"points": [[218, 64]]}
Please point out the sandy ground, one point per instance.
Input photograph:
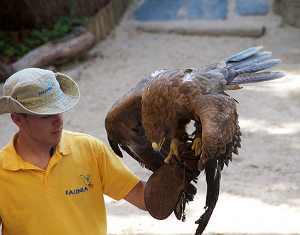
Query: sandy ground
{"points": [[260, 191]]}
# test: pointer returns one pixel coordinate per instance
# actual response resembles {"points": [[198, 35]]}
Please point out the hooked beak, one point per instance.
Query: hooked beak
{"points": [[157, 147]]}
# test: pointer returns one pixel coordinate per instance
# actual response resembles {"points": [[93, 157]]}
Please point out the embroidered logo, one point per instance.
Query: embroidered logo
{"points": [[48, 89], [87, 180], [75, 191]]}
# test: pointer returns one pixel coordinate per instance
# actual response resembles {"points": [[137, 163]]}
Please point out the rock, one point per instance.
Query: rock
{"points": [[289, 10]]}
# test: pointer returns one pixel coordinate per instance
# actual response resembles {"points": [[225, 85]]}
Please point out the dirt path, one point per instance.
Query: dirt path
{"points": [[261, 189]]}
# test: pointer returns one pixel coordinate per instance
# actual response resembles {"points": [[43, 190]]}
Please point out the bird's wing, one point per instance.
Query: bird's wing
{"points": [[220, 130], [218, 119], [124, 128]]}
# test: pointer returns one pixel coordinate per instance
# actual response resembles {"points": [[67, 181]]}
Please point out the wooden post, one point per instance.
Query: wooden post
{"points": [[107, 18]]}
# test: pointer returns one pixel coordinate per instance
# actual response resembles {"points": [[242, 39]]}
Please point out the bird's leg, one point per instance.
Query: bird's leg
{"points": [[173, 150], [197, 146]]}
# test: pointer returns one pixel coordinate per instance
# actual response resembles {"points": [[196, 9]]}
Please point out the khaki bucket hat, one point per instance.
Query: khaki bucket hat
{"points": [[38, 91]]}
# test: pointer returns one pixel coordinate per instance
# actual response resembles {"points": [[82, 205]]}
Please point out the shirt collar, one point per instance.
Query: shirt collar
{"points": [[11, 160], [63, 148]]}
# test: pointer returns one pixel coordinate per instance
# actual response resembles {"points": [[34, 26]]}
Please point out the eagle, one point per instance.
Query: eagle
{"points": [[180, 122]]}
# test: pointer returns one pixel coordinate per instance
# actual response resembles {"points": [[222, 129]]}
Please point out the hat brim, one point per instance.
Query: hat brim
{"points": [[65, 102]]}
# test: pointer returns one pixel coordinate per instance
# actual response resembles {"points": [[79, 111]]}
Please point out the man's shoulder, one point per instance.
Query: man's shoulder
{"points": [[3, 153], [71, 137], [77, 135], [6, 152], [6, 149], [81, 144]]}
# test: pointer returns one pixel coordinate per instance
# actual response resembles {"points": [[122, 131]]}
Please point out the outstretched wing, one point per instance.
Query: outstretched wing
{"points": [[124, 128]]}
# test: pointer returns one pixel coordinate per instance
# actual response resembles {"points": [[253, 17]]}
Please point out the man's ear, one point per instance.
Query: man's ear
{"points": [[17, 118]]}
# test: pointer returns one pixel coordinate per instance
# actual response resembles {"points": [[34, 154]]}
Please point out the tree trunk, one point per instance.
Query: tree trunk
{"points": [[55, 53]]}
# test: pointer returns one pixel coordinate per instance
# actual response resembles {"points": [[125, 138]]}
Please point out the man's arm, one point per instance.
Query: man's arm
{"points": [[136, 196]]}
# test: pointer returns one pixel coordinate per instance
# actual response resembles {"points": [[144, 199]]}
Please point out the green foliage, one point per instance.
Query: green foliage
{"points": [[12, 49]]}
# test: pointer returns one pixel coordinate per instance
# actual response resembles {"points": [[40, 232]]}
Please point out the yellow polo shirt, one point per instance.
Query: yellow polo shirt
{"points": [[67, 197]]}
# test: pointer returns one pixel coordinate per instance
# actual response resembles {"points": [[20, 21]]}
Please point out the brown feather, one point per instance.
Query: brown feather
{"points": [[124, 129]]}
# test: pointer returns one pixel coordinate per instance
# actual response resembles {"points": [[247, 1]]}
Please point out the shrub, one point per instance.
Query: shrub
{"points": [[14, 45]]}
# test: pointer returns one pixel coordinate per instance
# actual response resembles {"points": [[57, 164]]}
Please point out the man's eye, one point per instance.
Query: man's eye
{"points": [[46, 116]]}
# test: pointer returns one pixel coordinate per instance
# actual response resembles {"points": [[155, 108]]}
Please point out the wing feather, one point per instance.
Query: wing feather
{"points": [[220, 129], [124, 129]]}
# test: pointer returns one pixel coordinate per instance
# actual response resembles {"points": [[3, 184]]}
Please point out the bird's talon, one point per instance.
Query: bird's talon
{"points": [[173, 151], [197, 146]]}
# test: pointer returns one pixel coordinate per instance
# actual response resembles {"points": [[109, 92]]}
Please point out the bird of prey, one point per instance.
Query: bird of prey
{"points": [[151, 124]]}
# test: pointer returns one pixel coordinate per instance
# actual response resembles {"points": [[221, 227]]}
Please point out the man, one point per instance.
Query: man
{"points": [[52, 181]]}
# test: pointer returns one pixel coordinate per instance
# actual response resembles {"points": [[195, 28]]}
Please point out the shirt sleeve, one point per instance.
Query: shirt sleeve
{"points": [[117, 180]]}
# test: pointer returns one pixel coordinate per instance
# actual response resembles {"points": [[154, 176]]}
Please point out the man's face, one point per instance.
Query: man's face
{"points": [[46, 130]]}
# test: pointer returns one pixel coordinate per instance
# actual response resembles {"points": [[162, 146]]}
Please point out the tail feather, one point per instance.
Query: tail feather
{"points": [[255, 67], [249, 66], [258, 58], [256, 77], [243, 54]]}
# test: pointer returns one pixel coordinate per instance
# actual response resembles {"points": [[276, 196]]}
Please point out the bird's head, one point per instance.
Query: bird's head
{"points": [[155, 118]]}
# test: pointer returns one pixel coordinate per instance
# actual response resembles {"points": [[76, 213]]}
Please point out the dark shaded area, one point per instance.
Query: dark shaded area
{"points": [[40, 13]]}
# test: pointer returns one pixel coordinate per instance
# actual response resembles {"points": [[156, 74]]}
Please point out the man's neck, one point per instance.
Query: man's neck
{"points": [[33, 152]]}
